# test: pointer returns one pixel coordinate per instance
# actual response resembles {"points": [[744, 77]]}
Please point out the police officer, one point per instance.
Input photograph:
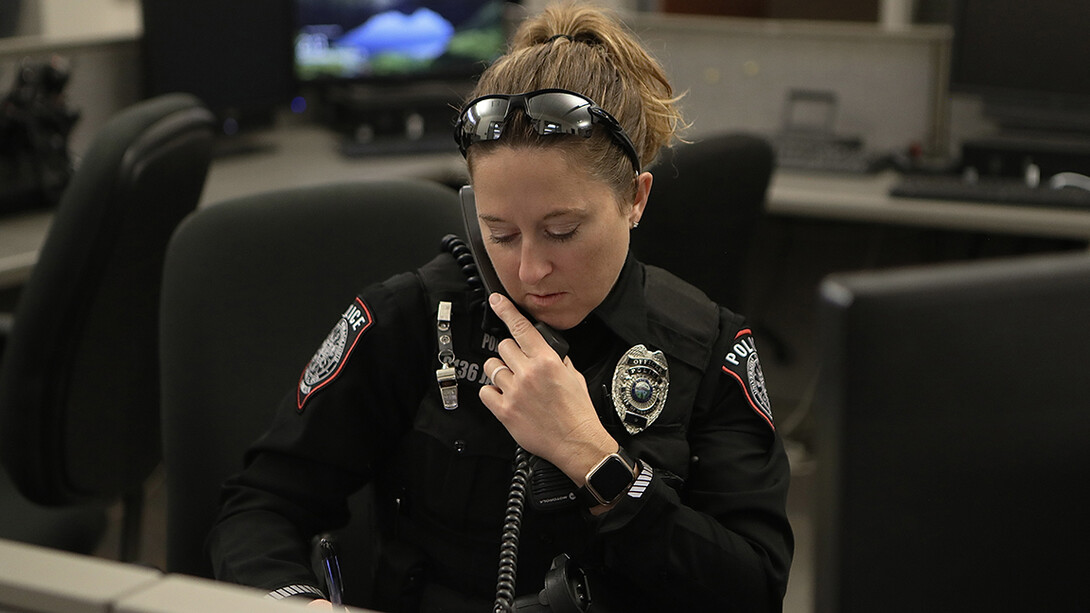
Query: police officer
{"points": [[653, 460]]}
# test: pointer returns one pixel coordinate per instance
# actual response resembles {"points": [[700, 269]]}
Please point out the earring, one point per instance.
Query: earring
{"points": [[635, 225]]}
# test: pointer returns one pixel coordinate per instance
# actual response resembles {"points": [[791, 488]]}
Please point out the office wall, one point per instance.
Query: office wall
{"points": [[77, 18], [736, 74]]}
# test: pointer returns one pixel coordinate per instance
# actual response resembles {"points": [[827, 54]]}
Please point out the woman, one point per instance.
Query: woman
{"points": [[669, 483]]}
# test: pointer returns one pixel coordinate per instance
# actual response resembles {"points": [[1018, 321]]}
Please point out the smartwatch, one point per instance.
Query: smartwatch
{"points": [[609, 479]]}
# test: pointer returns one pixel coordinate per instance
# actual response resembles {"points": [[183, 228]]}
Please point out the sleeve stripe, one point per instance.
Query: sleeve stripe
{"points": [[294, 590], [639, 486]]}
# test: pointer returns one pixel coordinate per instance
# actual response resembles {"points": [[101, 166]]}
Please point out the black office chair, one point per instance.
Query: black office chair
{"points": [[250, 289], [706, 201], [79, 387]]}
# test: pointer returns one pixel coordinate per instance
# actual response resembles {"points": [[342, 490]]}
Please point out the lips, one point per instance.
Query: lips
{"points": [[543, 300]]}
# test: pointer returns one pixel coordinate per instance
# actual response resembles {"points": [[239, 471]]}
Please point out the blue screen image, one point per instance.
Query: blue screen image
{"points": [[361, 39]]}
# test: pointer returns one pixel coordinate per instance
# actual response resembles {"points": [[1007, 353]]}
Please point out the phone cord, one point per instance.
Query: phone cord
{"points": [[512, 525], [516, 497], [464, 257]]}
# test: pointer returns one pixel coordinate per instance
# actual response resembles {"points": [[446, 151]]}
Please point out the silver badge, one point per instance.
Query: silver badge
{"points": [[640, 383]]}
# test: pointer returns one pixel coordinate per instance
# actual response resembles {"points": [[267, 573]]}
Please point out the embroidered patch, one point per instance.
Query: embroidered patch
{"points": [[742, 363], [330, 358]]}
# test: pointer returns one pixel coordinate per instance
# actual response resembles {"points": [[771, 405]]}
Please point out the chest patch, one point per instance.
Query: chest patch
{"points": [[741, 362], [330, 358]]}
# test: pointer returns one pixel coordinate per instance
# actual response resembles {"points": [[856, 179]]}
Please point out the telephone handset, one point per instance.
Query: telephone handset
{"points": [[491, 280]]}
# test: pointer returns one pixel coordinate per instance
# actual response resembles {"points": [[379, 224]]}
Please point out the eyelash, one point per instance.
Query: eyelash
{"points": [[559, 238], [565, 236]]}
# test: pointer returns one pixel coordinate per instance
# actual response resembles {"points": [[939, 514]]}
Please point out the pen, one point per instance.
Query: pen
{"points": [[332, 570]]}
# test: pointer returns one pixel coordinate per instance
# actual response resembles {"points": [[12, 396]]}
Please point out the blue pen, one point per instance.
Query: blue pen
{"points": [[332, 570]]}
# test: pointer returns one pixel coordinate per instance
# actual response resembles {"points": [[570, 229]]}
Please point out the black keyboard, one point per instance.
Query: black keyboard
{"points": [[990, 190]]}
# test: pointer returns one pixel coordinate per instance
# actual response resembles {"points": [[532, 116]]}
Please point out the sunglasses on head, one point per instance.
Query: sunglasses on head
{"points": [[551, 111]]}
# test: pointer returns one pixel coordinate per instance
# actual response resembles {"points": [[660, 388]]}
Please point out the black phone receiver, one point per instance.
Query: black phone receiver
{"points": [[491, 280]]}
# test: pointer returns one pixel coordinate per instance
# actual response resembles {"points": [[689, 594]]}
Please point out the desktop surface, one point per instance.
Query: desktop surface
{"points": [[39, 580]]}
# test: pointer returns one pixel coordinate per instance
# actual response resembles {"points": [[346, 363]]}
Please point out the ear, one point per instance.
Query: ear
{"points": [[643, 192]]}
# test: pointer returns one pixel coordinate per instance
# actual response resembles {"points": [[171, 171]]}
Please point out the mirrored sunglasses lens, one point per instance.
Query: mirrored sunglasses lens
{"points": [[484, 119], [559, 113]]}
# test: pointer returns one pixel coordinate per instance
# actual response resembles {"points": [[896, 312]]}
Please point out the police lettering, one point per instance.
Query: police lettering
{"points": [[355, 317], [489, 342], [741, 349]]}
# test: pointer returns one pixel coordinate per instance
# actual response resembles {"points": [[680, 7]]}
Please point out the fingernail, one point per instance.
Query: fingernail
{"points": [[494, 299]]}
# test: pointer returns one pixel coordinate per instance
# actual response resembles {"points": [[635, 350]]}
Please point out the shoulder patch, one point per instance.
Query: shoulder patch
{"points": [[741, 362], [330, 358]]}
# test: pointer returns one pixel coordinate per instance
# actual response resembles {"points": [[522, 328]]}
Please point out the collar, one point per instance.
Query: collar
{"points": [[624, 310], [661, 313]]}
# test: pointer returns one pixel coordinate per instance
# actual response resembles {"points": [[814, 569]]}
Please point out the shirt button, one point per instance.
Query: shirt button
{"points": [[459, 446]]}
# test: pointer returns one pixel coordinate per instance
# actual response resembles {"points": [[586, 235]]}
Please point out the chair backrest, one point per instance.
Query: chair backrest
{"points": [[79, 387], [250, 289], [706, 200]]}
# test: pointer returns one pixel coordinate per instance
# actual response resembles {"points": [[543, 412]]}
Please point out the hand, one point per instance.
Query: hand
{"points": [[541, 400], [320, 604]]}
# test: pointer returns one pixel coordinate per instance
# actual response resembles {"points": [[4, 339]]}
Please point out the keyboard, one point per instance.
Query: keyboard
{"points": [[990, 190], [801, 153]]}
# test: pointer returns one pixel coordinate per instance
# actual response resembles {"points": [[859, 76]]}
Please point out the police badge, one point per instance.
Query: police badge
{"points": [[640, 383]]}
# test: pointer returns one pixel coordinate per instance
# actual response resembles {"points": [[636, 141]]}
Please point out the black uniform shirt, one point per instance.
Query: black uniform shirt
{"points": [[705, 526]]}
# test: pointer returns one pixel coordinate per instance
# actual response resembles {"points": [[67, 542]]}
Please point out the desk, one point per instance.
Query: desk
{"points": [[866, 199], [302, 154], [39, 580]]}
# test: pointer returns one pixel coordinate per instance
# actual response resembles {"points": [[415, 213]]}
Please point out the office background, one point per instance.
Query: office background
{"points": [[886, 61]]}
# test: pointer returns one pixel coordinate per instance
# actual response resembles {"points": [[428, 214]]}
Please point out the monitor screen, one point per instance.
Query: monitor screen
{"points": [[234, 55], [953, 438], [396, 40], [1027, 60]]}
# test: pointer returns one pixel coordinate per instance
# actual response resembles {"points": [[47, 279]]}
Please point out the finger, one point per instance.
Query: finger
{"points": [[512, 354], [491, 397], [494, 367], [521, 329]]}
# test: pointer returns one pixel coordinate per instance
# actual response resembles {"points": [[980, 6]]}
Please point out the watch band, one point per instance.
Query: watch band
{"points": [[609, 479]]}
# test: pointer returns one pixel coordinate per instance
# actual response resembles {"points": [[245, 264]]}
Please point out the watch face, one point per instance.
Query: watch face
{"points": [[611, 479]]}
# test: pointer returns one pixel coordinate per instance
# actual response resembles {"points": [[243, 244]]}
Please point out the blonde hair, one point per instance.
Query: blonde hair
{"points": [[587, 50]]}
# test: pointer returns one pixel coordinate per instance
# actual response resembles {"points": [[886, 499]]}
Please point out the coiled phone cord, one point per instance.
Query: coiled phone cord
{"points": [[512, 525]]}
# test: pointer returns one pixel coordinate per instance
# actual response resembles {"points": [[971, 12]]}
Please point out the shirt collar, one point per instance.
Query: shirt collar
{"points": [[624, 310]]}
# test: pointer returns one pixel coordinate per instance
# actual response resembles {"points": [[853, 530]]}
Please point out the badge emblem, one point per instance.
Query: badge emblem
{"points": [[640, 383], [742, 363], [328, 361]]}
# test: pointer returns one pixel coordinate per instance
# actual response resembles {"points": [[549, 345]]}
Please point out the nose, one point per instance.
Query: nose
{"points": [[534, 264]]}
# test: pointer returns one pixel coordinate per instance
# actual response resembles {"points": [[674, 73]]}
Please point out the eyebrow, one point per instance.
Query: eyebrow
{"points": [[548, 216]]}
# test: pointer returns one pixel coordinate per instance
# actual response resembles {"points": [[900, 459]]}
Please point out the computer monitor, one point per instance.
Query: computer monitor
{"points": [[953, 438], [235, 55], [396, 42], [1026, 59]]}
